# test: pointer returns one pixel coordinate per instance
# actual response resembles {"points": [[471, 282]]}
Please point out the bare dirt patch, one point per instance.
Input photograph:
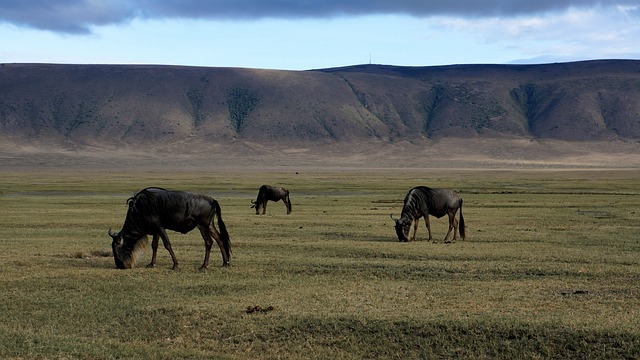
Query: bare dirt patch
{"points": [[444, 153]]}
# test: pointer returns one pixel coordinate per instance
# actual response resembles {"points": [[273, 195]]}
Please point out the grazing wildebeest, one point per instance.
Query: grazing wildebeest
{"points": [[153, 210], [271, 193], [422, 201]]}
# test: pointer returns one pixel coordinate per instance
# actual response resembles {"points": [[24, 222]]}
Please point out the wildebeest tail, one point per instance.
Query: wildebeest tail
{"points": [[288, 203], [226, 241], [461, 223]]}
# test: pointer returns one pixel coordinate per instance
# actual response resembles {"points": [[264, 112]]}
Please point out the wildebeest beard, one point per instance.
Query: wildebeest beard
{"points": [[126, 253]]}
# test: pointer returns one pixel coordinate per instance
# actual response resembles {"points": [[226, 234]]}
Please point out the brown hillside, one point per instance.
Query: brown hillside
{"points": [[571, 101], [135, 106]]}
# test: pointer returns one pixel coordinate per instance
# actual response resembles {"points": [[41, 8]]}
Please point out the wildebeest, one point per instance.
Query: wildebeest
{"points": [[422, 201], [154, 210], [271, 193]]}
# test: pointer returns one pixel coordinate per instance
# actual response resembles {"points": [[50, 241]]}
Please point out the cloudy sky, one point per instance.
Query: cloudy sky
{"points": [[309, 34]]}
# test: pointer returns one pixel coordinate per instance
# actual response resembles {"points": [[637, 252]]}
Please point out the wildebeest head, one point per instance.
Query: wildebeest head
{"points": [[116, 245], [256, 204], [402, 228]]}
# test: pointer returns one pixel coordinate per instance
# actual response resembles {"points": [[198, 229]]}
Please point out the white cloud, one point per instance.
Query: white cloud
{"points": [[576, 32]]}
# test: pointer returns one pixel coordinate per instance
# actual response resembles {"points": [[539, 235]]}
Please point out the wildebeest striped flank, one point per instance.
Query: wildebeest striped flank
{"points": [[422, 201], [153, 210]]}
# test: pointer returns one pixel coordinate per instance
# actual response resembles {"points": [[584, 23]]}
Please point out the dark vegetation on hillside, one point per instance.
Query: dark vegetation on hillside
{"points": [[594, 100]]}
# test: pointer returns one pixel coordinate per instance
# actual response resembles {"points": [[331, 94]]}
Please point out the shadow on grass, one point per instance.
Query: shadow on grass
{"points": [[352, 337]]}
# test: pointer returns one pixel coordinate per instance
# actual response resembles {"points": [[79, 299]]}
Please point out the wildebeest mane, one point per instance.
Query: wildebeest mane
{"points": [[417, 198], [134, 239]]}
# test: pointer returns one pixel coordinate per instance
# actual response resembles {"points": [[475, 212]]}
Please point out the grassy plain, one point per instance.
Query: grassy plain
{"points": [[550, 269]]}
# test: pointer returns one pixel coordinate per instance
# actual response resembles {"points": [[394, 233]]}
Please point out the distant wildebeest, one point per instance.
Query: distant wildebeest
{"points": [[422, 201], [271, 193], [154, 210]]}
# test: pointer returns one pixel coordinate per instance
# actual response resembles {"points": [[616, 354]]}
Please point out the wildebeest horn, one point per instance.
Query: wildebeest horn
{"points": [[392, 218], [112, 234], [253, 201]]}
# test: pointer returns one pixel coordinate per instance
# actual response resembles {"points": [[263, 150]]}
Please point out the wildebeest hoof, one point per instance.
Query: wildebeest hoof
{"points": [[151, 265], [225, 264]]}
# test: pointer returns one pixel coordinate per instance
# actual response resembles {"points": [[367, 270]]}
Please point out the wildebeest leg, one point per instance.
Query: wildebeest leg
{"points": [[208, 242], [426, 219], [167, 245], [216, 235], [218, 238], [154, 247], [455, 227], [452, 226], [415, 229], [264, 206]]}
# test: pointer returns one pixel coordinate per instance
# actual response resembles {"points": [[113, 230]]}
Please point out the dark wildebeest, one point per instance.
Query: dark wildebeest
{"points": [[271, 193], [153, 210], [422, 201]]}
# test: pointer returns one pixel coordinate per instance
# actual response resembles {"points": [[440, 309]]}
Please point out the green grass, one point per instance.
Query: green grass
{"points": [[550, 269]]}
